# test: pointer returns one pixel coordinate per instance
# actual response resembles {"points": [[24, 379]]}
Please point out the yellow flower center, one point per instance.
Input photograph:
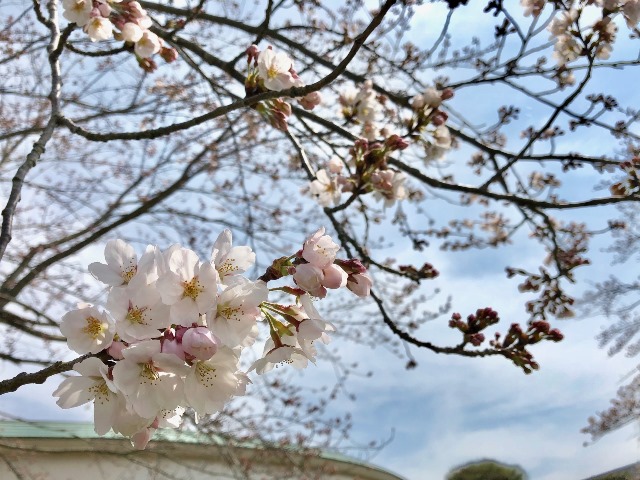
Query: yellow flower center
{"points": [[230, 313], [148, 371], [101, 392], [78, 7], [192, 289], [136, 315], [228, 266], [272, 72], [128, 274], [93, 328], [206, 374]]}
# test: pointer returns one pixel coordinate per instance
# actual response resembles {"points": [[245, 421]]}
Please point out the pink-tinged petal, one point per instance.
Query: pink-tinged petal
{"points": [[170, 418], [308, 277], [127, 422], [115, 350], [170, 287], [74, 391], [142, 352], [168, 362], [171, 390], [233, 332], [360, 284], [90, 367], [221, 247], [334, 277], [106, 274], [184, 312], [183, 262], [320, 250], [106, 410], [119, 255], [126, 376], [173, 347]]}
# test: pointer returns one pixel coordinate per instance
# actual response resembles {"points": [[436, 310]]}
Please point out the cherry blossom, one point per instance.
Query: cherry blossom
{"points": [[139, 312], [77, 11], [310, 100], [310, 278], [93, 385], [99, 28], [234, 320], [388, 186], [532, 7], [121, 266], [631, 11], [230, 261], [325, 189], [131, 32], [151, 380], [189, 286], [211, 383], [147, 45], [274, 69], [319, 249], [360, 284], [274, 357], [312, 327], [88, 330]]}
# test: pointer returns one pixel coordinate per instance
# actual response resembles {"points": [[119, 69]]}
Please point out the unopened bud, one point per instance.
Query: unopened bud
{"points": [[252, 54], [447, 93], [396, 142], [169, 54]]}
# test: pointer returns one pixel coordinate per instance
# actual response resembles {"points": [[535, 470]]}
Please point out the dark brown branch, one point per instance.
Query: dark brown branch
{"points": [[246, 102], [13, 384]]}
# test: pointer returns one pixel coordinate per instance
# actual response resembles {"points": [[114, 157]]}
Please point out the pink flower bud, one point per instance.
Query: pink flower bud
{"points": [[446, 94], [310, 101], [335, 165], [136, 10], [105, 9], [396, 142], [169, 54], [309, 278], [353, 265], [131, 32], [173, 346], [200, 343], [439, 118], [115, 350], [252, 54], [418, 102], [360, 284], [334, 277]]}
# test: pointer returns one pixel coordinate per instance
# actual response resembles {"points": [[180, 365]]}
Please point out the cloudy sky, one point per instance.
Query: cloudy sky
{"points": [[453, 410]]}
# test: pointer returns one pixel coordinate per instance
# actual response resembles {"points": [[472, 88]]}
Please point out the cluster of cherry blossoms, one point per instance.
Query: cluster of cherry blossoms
{"points": [[572, 39], [368, 172], [363, 106], [367, 166], [273, 71], [630, 185], [428, 122], [99, 18], [175, 326]]}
